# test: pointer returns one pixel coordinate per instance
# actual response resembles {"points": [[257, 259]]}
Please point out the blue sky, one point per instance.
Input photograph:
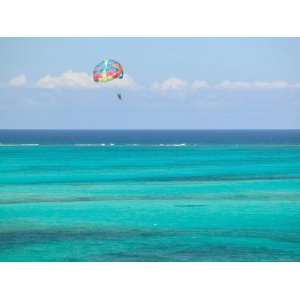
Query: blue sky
{"points": [[170, 83]]}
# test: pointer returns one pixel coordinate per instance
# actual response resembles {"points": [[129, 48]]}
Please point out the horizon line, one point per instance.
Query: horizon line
{"points": [[151, 129]]}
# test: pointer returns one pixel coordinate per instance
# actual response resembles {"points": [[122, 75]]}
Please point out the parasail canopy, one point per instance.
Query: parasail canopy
{"points": [[108, 70]]}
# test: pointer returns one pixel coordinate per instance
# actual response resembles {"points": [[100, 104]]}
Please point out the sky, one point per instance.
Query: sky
{"points": [[169, 83]]}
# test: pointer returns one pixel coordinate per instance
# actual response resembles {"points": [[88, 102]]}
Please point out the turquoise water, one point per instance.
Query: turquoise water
{"points": [[150, 202]]}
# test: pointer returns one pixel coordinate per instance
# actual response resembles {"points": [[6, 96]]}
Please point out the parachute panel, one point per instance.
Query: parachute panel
{"points": [[108, 70]]}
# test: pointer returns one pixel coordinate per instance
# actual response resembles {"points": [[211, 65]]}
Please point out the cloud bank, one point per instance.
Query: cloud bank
{"points": [[179, 84], [68, 79], [170, 84], [71, 79], [256, 85], [199, 85]]}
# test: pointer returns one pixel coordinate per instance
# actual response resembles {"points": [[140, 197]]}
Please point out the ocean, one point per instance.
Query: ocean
{"points": [[146, 195]]}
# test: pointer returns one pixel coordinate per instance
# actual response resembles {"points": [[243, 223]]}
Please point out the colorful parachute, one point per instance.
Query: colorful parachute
{"points": [[108, 70]]}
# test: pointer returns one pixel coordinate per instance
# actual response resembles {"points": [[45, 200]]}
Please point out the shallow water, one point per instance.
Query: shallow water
{"points": [[180, 201]]}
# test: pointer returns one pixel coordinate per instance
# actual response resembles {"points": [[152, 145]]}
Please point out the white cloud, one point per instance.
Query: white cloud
{"points": [[170, 84], [177, 84], [200, 84], [71, 79], [18, 81], [68, 79], [233, 85], [272, 84], [256, 85]]}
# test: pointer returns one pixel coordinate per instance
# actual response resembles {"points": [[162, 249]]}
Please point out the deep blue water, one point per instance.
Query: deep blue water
{"points": [[149, 195], [148, 137]]}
